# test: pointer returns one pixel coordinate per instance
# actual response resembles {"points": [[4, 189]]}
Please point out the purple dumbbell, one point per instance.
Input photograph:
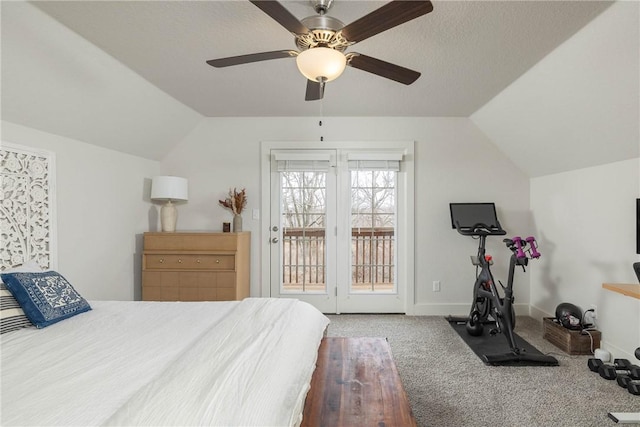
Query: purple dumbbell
{"points": [[517, 241], [534, 249]]}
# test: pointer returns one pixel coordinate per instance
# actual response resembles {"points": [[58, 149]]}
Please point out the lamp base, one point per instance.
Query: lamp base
{"points": [[168, 217]]}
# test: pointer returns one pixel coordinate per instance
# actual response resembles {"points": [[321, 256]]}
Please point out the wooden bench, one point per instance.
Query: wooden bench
{"points": [[356, 383]]}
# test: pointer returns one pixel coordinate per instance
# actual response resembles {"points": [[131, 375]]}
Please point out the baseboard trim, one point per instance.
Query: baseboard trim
{"points": [[617, 352], [538, 314], [457, 309]]}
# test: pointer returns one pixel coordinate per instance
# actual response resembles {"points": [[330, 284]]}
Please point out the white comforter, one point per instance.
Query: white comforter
{"points": [[237, 363]]}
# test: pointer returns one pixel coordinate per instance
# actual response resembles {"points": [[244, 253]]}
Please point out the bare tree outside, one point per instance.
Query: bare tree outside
{"points": [[304, 211], [373, 216]]}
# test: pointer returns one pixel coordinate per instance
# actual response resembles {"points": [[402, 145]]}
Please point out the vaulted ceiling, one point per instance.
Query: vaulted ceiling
{"points": [[467, 52], [546, 81]]}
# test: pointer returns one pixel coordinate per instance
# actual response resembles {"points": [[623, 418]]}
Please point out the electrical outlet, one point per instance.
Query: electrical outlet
{"points": [[590, 315], [436, 286]]}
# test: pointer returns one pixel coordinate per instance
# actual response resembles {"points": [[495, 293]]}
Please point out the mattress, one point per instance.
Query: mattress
{"points": [[160, 363]]}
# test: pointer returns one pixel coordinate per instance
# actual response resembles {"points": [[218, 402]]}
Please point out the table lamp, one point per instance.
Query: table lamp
{"points": [[169, 188]]}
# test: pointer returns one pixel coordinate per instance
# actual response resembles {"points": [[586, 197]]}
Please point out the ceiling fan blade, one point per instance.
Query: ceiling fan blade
{"points": [[388, 16], [315, 91], [383, 69], [281, 15], [253, 57]]}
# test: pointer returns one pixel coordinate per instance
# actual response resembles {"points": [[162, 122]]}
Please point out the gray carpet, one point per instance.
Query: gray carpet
{"points": [[448, 385]]}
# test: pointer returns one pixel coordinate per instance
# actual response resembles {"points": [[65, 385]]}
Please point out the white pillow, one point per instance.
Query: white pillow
{"points": [[12, 316]]}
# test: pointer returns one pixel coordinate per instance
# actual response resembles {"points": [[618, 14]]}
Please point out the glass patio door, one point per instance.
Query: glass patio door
{"points": [[339, 229], [303, 205], [369, 234]]}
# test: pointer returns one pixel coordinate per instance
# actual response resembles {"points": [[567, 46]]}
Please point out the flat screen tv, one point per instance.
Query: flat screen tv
{"points": [[470, 214], [638, 226]]}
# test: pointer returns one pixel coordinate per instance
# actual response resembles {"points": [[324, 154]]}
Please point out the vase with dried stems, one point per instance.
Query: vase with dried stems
{"points": [[236, 202]]}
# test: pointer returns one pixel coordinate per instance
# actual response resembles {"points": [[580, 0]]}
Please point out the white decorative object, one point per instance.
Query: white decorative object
{"points": [[169, 189], [27, 206]]}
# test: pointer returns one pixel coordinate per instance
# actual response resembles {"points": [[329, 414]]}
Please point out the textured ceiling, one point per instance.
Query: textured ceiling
{"points": [[467, 52]]}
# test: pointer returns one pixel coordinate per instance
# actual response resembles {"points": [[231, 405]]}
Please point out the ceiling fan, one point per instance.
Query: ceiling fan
{"points": [[322, 41]]}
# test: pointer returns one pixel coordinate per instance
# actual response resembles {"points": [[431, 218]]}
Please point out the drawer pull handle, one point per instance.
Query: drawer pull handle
{"points": [[198, 261], [179, 261], [161, 260], [217, 261]]}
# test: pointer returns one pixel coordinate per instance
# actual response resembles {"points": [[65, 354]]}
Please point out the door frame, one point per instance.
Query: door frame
{"points": [[406, 224]]}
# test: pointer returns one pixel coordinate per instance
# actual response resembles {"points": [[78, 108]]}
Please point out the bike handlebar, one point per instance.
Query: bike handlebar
{"points": [[480, 229]]}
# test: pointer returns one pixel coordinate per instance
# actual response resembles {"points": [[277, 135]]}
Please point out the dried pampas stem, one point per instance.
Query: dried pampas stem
{"points": [[236, 202]]}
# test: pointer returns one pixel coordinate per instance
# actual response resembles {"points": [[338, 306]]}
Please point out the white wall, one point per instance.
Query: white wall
{"points": [[579, 106], [587, 219], [454, 163], [100, 211], [56, 81]]}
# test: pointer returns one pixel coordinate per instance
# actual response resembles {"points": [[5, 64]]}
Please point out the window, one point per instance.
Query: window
{"points": [[373, 224]]}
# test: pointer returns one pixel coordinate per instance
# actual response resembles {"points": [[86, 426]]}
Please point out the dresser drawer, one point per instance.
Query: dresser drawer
{"points": [[194, 266], [189, 279], [190, 262], [162, 285], [191, 241]]}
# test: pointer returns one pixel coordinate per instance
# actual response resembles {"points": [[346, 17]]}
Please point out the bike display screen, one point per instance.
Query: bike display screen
{"points": [[469, 214]]}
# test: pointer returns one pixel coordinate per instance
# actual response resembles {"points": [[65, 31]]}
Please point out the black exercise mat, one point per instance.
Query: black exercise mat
{"points": [[497, 344]]}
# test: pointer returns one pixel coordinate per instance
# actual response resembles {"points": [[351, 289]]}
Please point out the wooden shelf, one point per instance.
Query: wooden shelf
{"points": [[627, 289]]}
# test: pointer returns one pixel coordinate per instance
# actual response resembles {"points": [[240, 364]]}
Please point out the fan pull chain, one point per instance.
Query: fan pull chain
{"points": [[321, 116]]}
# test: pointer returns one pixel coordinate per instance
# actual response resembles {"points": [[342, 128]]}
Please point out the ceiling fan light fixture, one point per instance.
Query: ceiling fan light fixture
{"points": [[321, 64]]}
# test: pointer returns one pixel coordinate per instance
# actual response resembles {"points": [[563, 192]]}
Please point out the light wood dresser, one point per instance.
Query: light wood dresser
{"points": [[195, 266]]}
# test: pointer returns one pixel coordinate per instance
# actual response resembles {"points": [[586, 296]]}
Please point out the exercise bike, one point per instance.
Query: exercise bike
{"points": [[490, 306]]}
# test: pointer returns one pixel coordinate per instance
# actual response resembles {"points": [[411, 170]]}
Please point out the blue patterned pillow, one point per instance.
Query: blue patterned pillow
{"points": [[46, 297]]}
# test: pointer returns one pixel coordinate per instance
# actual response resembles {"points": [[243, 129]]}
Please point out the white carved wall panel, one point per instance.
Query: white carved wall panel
{"points": [[27, 206]]}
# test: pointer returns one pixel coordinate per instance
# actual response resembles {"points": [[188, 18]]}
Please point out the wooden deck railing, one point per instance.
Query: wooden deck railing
{"points": [[372, 257]]}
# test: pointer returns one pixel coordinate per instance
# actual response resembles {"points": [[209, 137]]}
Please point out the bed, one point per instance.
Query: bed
{"points": [[162, 363]]}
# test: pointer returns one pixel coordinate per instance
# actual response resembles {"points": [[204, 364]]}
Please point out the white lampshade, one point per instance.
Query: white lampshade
{"points": [[321, 64], [169, 188]]}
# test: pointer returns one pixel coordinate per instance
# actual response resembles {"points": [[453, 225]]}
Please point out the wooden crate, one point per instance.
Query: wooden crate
{"points": [[571, 342]]}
